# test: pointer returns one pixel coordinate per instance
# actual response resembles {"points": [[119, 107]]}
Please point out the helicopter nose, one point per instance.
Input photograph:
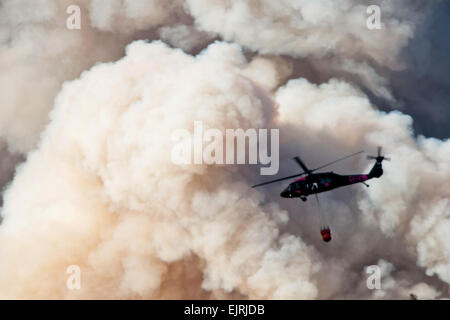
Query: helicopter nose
{"points": [[285, 194]]}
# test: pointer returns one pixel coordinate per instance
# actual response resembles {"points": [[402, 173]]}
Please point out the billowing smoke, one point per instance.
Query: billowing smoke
{"points": [[98, 188]]}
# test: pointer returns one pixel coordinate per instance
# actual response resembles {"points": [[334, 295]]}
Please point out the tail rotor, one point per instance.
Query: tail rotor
{"points": [[379, 157]]}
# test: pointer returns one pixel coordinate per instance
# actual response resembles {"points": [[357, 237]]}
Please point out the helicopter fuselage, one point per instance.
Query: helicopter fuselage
{"points": [[320, 182], [313, 183], [326, 181]]}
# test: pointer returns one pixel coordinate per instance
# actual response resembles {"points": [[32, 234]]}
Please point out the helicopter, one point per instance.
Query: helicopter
{"points": [[311, 183]]}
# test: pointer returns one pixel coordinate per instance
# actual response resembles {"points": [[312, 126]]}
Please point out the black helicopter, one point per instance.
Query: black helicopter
{"points": [[314, 183]]}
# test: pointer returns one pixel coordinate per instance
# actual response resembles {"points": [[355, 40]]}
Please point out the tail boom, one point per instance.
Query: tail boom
{"points": [[376, 171]]}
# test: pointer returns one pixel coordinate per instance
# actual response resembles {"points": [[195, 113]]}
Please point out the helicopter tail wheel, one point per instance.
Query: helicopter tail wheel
{"points": [[303, 199]]}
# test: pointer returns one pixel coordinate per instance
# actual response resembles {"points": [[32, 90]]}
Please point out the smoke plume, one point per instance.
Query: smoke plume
{"points": [[86, 123]]}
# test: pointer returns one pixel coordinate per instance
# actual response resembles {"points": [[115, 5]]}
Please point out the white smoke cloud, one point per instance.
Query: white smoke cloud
{"points": [[125, 16], [122, 159], [99, 189], [306, 28], [38, 53], [315, 29]]}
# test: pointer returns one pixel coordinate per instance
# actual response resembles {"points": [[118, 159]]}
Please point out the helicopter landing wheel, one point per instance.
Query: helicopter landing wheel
{"points": [[303, 199]]}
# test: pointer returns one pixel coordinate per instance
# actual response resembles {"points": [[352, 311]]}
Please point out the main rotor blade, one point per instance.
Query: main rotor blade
{"points": [[307, 171], [281, 179], [346, 157], [301, 164]]}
